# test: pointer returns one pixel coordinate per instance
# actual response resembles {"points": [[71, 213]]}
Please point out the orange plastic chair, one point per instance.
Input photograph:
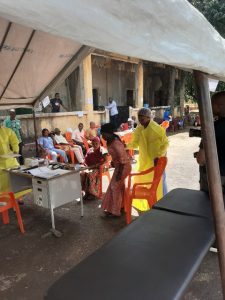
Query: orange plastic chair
{"points": [[70, 153], [58, 157], [68, 137], [146, 190], [85, 143], [165, 124], [127, 139], [8, 201], [104, 171]]}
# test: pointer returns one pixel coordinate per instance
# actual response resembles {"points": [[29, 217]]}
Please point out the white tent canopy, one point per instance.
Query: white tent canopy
{"points": [[167, 31], [44, 57]]}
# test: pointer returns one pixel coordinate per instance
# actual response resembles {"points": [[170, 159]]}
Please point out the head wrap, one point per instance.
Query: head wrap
{"points": [[96, 139], [107, 128], [146, 112]]}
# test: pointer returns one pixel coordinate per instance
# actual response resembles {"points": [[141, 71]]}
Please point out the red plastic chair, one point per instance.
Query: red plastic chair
{"points": [[8, 201], [146, 190], [124, 126]]}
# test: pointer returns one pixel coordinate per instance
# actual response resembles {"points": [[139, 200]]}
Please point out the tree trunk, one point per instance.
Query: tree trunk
{"points": [[182, 92], [171, 86]]}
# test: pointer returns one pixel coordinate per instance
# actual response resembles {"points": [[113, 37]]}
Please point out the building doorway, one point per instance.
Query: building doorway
{"points": [[95, 98], [130, 98]]}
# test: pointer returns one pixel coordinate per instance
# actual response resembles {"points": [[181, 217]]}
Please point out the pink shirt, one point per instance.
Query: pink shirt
{"points": [[77, 135]]}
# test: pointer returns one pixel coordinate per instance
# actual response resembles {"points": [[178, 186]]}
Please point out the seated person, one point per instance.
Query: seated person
{"points": [[78, 135], [46, 144], [197, 121], [60, 140], [90, 180], [91, 132]]}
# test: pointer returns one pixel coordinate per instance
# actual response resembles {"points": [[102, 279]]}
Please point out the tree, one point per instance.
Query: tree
{"points": [[214, 11]]}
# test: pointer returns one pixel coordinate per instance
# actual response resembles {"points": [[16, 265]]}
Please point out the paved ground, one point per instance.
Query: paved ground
{"points": [[30, 263]]}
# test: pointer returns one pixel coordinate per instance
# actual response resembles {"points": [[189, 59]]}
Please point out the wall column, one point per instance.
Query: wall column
{"points": [[86, 85], [139, 85]]}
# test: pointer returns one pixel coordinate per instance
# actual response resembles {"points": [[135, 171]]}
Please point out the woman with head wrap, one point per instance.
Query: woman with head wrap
{"points": [[90, 180], [151, 140], [113, 199]]}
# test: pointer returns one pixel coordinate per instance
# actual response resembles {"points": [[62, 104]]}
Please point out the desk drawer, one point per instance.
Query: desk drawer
{"points": [[41, 196], [40, 182]]}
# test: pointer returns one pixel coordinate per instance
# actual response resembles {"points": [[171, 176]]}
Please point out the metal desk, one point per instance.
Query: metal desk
{"points": [[49, 193]]}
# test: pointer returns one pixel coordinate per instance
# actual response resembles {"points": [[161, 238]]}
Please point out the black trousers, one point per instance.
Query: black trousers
{"points": [[21, 159], [204, 186], [114, 121]]}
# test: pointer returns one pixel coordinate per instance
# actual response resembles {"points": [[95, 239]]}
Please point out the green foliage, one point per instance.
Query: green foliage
{"points": [[214, 11], [220, 86], [190, 90]]}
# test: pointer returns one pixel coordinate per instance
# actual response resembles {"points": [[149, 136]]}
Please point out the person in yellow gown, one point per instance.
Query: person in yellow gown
{"points": [[9, 144], [152, 142]]}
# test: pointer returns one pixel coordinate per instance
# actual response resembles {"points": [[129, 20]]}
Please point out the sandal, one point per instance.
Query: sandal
{"points": [[108, 215]]}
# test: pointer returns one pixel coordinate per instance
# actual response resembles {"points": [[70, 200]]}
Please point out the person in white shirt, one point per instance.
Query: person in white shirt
{"points": [[78, 134], [113, 112], [59, 139]]}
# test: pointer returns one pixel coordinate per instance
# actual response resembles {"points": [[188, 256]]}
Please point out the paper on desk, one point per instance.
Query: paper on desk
{"points": [[45, 172], [10, 155]]}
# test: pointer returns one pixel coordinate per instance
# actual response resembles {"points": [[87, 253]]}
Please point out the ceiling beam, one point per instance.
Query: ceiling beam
{"points": [[115, 56], [5, 35], [18, 104], [66, 71]]}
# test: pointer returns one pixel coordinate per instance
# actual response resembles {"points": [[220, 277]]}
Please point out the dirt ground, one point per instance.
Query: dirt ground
{"points": [[30, 263]]}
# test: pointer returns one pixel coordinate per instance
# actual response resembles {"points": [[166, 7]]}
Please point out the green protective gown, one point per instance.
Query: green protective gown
{"points": [[8, 143], [152, 143]]}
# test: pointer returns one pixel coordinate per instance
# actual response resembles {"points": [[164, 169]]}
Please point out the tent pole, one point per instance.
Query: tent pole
{"points": [[35, 133], [5, 35], [212, 166]]}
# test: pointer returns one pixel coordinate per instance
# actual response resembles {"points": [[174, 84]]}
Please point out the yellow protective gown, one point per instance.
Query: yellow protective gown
{"points": [[152, 143], [8, 143]]}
